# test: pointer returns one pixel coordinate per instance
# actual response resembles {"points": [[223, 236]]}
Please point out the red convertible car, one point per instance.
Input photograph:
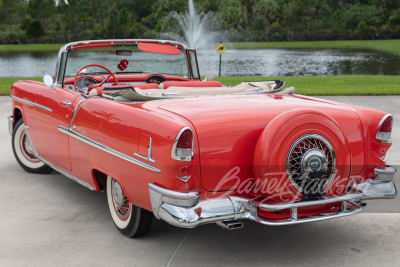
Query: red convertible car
{"points": [[134, 119]]}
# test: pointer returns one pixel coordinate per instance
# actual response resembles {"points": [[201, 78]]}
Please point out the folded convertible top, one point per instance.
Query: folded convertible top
{"points": [[129, 93]]}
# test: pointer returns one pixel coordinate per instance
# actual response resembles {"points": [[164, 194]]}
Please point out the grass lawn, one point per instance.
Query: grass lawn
{"points": [[5, 83], [31, 48], [389, 46], [305, 85], [330, 85]]}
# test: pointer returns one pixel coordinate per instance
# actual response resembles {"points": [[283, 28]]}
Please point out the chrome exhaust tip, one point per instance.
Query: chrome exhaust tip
{"points": [[230, 225]]}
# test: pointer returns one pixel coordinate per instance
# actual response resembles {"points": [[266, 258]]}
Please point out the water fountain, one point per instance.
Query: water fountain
{"points": [[196, 27]]}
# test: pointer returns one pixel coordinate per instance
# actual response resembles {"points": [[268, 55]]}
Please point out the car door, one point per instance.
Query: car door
{"points": [[52, 144]]}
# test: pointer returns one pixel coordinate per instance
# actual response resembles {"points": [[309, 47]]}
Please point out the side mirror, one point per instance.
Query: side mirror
{"points": [[48, 80], [209, 75]]}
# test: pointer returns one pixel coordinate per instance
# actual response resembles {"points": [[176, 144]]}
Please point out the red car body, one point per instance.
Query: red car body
{"points": [[237, 141]]}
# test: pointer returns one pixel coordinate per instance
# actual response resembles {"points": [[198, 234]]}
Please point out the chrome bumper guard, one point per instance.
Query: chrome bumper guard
{"points": [[185, 210], [386, 174], [10, 124]]}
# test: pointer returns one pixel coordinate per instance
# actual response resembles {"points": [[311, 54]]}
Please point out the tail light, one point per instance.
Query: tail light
{"points": [[182, 149], [384, 134]]}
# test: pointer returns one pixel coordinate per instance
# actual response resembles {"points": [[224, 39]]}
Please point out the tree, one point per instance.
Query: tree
{"points": [[40, 10], [233, 13], [112, 20], [34, 29], [265, 9], [310, 8], [124, 22], [72, 12], [291, 16], [7, 10]]}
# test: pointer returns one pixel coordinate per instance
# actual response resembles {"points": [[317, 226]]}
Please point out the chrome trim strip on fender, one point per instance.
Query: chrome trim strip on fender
{"points": [[73, 114], [75, 93], [10, 124], [104, 148], [68, 175], [31, 103], [148, 158]]}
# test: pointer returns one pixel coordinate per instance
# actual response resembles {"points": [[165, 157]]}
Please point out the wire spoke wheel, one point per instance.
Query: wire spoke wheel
{"points": [[122, 205], [311, 153], [129, 219]]}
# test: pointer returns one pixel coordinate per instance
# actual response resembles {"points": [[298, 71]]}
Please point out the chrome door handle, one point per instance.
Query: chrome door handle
{"points": [[67, 103]]}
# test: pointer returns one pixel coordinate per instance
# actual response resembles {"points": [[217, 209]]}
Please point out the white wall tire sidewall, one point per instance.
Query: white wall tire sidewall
{"points": [[118, 222], [18, 151]]}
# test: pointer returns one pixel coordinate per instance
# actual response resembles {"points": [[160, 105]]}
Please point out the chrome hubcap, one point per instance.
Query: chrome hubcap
{"points": [[121, 203], [314, 160], [311, 153]]}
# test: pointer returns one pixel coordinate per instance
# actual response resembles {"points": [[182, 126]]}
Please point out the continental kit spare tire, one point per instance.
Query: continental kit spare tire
{"points": [[295, 144]]}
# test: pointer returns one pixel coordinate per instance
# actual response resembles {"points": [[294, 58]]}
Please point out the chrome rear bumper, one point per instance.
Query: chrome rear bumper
{"points": [[185, 210]]}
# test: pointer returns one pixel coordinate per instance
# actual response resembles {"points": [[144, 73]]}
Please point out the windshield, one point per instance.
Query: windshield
{"points": [[138, 62]]}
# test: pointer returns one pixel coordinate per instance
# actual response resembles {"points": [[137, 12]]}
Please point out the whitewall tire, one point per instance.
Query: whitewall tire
{"points": [[24, 151], [130, 220]]}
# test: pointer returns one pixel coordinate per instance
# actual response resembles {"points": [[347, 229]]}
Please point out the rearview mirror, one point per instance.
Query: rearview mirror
{"points": [[48, 80], [124, 53], [209, 75]]}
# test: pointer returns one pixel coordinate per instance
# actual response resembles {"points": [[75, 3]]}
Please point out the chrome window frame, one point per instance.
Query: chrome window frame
{"points": [[189, 56], [70, 46]]}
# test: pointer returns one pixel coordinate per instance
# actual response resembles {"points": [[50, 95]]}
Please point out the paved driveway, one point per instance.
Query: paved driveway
{"points": [[49, 220]]}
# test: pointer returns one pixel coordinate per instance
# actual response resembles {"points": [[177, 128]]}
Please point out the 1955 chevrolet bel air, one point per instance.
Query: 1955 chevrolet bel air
{"points": [[134, 119]]}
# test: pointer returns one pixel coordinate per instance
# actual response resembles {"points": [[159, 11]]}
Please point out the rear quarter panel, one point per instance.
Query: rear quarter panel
{"points": [[118, 126]]}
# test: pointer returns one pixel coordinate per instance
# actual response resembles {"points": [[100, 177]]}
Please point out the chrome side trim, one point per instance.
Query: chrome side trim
{"points": [[173, 155], [148, 158], [68, 175], [31, 103], [10, 124], [73, 114], [145, 158], [75, 93], [104, 148]]}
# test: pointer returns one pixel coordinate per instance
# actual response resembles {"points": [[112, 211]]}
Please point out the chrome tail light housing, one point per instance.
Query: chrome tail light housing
{"points": [[384, 134], [182, 150]]}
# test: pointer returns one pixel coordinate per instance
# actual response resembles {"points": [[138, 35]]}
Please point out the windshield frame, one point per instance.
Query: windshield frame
{"points": [[62, 61]]}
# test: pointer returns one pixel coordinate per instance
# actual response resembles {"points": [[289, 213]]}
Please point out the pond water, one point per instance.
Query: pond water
{"points": [[246, 62]]}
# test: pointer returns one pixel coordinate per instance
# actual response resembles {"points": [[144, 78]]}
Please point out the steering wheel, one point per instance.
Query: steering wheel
{"points": [[100, 84]]}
